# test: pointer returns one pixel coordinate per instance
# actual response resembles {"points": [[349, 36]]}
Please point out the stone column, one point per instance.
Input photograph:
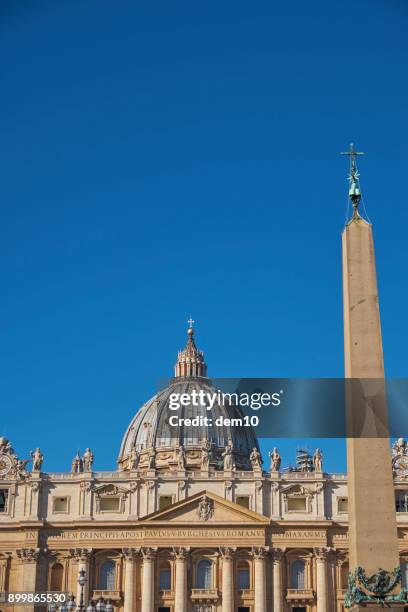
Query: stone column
{"points": [[276, 512], [34, 486], [29, 558], [340, 558], [82, 556], [321, 555], [277, 559], [130, 555], [4, 568], [180, 599], [227, 554], [85, 497], [259, 554], [150, 492], [148, 555], [133, 499]]}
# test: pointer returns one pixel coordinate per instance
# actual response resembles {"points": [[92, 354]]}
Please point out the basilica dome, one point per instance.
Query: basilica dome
{"points": [[157, 433]]}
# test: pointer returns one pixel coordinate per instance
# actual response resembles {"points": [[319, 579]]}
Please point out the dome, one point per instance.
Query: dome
{"points": [[151, 441]]}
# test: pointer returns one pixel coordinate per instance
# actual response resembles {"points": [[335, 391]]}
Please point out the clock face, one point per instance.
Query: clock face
{"points": [[5, 465], [401, 466]]}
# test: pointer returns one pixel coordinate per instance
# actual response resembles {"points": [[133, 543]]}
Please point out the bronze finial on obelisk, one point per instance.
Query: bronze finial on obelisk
{"points": [[354, 180], [374, 578]]}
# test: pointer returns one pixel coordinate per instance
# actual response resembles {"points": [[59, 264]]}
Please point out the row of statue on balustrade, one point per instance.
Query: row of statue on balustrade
{"points": [[305, 461], [12, 466]]}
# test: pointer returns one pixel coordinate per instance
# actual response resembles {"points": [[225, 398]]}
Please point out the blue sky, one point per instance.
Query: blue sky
{"points": [[165, 159]]}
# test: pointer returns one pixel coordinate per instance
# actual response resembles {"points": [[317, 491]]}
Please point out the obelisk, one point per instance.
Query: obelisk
{"points": [[373, 542]]}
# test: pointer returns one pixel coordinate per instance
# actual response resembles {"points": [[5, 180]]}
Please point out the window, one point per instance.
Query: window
{"points": [[243, 500], [107, 576], [344, 575], [165, 577], [57, 572], [404, 574], [109, 504], [165, 501], [401, 501], [60, 504], [298, 575], [297, 504], [342, 504], [204, 574], [3, 500], [243, 577]]}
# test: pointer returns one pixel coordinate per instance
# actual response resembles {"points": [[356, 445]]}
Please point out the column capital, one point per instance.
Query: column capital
{"points": [[180, 553], [86, 485], [259, 552], [28, 555], [227, 552], [130, 554], [81, 554], [340, 557], [148, 553], [322, 553], [149, 484], [277, 554]]}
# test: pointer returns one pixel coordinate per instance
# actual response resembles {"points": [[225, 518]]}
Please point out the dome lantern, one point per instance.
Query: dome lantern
{"points": [[190, 361]]}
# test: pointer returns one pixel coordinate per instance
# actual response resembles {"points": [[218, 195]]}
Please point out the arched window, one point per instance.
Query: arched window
{"points": [[204, 574], [298, 575], [107, 576], [165, 577], [56, 577], [243, 577]]}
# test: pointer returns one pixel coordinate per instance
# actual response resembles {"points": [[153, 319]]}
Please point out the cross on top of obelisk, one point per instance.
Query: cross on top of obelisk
{"points": [[354, 189], [352, 153]]}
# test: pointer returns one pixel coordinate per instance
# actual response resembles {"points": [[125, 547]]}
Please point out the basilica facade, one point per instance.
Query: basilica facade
{"points": [[191, 521]]}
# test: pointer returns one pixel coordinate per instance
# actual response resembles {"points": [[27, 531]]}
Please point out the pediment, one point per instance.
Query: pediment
{"points": [[207, 508], [110, 489], [296, 489]]}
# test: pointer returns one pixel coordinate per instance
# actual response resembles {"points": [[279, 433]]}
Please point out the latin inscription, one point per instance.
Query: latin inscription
{"points": [[143, 534], [299, 535]]}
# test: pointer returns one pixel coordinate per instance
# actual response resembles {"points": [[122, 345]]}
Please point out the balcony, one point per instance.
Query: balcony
{"points": [[246, 593], [112, 595], [300, 595], [166, 593], [204, 594]]}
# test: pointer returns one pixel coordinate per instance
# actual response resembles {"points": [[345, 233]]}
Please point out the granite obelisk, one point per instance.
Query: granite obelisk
{"points": [[372, 518]]}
